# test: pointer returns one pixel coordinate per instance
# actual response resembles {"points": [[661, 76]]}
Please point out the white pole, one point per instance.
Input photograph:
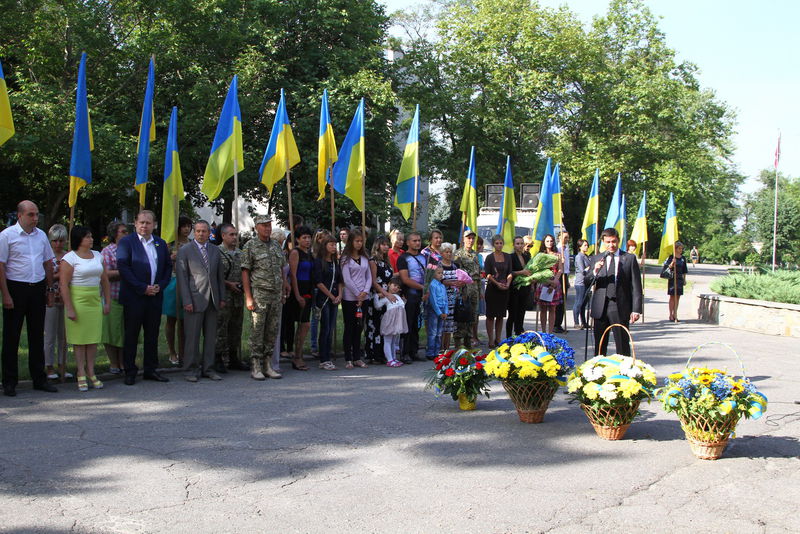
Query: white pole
{"points": [[775, 220]]}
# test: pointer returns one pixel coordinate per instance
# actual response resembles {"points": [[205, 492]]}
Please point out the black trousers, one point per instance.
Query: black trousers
{"points": [[411, 339], [517, 306], [29, 304], [352, 330], [560, 309], [610, 317], [143, 315]]}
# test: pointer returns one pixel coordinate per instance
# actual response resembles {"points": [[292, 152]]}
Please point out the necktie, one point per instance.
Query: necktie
{"points": [[204, 253], [611, 288]]}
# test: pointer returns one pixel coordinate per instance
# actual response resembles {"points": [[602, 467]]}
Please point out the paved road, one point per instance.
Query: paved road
{"points": [[370, 451]]}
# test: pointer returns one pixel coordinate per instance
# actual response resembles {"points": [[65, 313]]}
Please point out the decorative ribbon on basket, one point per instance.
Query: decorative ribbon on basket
{"points": [[709, 404], [610, 389]]}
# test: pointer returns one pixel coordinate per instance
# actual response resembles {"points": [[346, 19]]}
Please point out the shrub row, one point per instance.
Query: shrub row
{"points": [[780, 286]]}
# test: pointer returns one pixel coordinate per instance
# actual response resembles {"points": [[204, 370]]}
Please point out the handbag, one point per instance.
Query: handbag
{"points": [[666, 273], [463, 310]]}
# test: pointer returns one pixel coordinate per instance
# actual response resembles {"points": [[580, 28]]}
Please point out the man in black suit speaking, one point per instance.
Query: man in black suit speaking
{"points": [[617, 292]]}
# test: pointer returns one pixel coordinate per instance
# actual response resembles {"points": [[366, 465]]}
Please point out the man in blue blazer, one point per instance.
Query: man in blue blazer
{"points": [[145, 269]]}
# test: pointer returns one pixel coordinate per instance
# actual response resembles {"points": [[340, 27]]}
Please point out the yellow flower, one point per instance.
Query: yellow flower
{"points": [[706, 379], [574, 385], [503, 349], [608, 372], [649, 376], [630, 388], [591, 390], [518, 349], [502, 371], [737, 387]]}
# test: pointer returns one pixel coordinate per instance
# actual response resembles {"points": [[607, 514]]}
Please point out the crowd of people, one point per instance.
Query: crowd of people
{"points": [[293, 287]]}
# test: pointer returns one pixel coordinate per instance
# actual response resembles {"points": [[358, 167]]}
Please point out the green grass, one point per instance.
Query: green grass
{"points": [[654, 282]]}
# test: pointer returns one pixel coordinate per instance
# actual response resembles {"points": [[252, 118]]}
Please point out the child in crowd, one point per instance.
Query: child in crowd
{"points": [[393, 323], [436, 309]]}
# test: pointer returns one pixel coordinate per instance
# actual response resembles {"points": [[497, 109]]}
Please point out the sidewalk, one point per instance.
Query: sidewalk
{"points": [[370, 451]]}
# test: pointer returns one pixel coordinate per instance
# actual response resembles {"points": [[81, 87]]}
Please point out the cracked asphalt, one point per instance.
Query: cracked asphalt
{"points": [[371, 451]]}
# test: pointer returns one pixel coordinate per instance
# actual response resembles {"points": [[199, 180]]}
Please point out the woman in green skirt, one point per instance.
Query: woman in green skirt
{"points": [[82, 275]]}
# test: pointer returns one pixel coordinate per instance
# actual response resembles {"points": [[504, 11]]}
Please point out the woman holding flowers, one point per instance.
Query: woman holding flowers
{"points": [[549, 295], [497, 267]]}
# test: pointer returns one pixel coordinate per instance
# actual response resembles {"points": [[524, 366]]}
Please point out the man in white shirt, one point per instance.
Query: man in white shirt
{"points": [[26, 283], [563, 248]]}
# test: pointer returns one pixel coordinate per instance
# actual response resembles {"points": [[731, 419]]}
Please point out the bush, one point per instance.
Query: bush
{"points": [[780, 286]]}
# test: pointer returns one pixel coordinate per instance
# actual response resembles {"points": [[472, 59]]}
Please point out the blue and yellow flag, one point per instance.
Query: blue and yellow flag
{"points": [[592, 216], [469, 200], [147, 134], [639, 233], [227, 154], [555, 180], [622, 227], [614, 218], [327, 146], [80, 167], [281, 154], [669, 235], [409, 170], [544, 212], [349, 171], [173, 182], [508, 211], [6, 121]]}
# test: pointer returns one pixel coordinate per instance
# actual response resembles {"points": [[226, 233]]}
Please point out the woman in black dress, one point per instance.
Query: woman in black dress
{"points": [[497, 267], [679, 270], [382, 273], [518, 297]]}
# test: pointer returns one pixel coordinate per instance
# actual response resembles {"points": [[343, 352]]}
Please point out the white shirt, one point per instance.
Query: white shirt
{"points": [[152, 255], [24, 254], [85, 273], [616, 264], [565, 252]]}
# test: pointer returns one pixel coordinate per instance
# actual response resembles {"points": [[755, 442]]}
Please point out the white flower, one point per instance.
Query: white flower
{"points": [[592, 373], [627, 368], [608, 392]]}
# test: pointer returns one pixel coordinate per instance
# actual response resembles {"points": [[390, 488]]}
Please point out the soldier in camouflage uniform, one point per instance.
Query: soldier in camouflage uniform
{"points": [[264, 292], [229, 319], [467, 260]]}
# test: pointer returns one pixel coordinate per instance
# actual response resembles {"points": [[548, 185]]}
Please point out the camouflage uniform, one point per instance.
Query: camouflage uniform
{"points": [[265, 261], [229, 319], [468, 261]]}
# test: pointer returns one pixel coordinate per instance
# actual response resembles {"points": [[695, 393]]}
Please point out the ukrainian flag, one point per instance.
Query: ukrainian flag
{"points": [[80, 167], [409, 170], [555, 179], [226, 151], [544, 213], [615, 218], [592, 215], [6, 121], [173, 182], [469, 201], [508, 211], [281, 154], [639, 233], [327, 146], [623, 223], [670, 233], [147, 134], [350, 169]]}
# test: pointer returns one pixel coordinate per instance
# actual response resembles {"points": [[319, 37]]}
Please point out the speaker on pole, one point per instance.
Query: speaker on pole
{"points": [[529, 194], [494, 195]]}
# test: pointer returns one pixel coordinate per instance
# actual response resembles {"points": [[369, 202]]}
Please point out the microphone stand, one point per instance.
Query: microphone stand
{"points": [[587, 297]]}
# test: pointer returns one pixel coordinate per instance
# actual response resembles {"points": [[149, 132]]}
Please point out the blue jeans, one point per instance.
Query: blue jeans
{"points": [[434, 326], [327, 321], [579, 308], [314, 329]]}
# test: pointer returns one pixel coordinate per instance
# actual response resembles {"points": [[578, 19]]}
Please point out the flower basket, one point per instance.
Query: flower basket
{"points": [[709, 404], [531, 399], [531, 366], [460, 374], [610, 389]]}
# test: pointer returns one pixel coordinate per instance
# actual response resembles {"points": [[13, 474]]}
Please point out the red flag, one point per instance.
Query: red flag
{"points": [[778, 152]]}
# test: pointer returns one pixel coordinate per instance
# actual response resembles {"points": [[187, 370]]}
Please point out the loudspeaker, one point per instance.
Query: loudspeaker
{"points": [[529, 194], [494, 195]]}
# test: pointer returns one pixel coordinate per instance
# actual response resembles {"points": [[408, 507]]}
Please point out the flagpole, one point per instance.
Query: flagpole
{"points": [[675, 277], [644, 269], [364, 209], [775, 213], [333, 216], [416, 195], [289, 194], [235, 194], [461, 233]]}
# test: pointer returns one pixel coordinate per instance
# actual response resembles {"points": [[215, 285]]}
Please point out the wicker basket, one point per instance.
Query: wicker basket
{"points": [[532, 399], [465, 404], [611, 422], [708, 437]]}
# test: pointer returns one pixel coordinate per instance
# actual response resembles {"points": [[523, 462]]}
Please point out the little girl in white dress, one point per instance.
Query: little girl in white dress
{"points": [[393, 322]]}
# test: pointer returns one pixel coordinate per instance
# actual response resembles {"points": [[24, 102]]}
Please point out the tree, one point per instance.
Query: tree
{"points": [[788, 229]]}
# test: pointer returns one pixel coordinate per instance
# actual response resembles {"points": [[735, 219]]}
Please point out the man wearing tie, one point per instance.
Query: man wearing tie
{"points": [[145, 269], [201, 286], [617, 292]]}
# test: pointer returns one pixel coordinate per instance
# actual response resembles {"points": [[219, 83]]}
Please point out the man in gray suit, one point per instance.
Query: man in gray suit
{"points": [[201, 286]]}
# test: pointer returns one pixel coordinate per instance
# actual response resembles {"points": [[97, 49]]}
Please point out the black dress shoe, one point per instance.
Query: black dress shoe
{"points": [[558, 330], [46, 387], [239, 366], [130, 380], [155, 377], [406, 361], [220, 368], [10, 391]]}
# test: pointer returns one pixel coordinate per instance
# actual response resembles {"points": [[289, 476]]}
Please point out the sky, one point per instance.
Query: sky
{"points": [[747, 52]]}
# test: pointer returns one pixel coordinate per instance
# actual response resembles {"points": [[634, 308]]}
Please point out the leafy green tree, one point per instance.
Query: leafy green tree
{"points": [[788, 230]]}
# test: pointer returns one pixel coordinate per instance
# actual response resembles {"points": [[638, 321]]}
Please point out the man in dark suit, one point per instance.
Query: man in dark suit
{"points": [[201, 286], [617, 292], [145, 269]]}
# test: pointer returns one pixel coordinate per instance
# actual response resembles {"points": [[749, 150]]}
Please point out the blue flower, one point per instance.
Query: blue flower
{"points": [[721, 388], [687, 388]]}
